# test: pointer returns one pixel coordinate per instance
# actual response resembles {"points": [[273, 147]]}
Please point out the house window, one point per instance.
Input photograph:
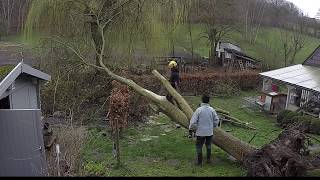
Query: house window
{"points": [[5, 103]]}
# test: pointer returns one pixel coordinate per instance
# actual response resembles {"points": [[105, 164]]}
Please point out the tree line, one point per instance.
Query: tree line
{"points": [[138, 19]]}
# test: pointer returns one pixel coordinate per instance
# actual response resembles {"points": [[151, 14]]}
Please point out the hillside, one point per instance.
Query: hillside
{"points": [[267, 48]]}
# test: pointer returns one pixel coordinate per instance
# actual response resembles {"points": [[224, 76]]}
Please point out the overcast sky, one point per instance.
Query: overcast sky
{"points": [[309, 7]]}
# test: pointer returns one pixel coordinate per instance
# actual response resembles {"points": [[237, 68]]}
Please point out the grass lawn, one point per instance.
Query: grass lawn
{"points": [[159, 149]]}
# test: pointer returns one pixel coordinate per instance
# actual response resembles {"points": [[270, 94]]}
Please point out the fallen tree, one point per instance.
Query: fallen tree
{"points": [[180, 114], [255, 160]]}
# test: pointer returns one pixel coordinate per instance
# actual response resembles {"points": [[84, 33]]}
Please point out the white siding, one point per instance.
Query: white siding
{"points": [[228, 55]]}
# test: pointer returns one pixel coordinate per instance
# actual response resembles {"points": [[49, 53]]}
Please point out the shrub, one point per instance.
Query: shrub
{"points": [[215, 83], [74, 95], [119, 106], [303, 120], [71, 141], [289, 118], [218, 83], [311, 124], [315, 126], [282, 115], [139, 108]]}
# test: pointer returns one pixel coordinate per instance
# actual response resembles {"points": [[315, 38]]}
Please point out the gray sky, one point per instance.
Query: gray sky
{"points": [[309, 7]]}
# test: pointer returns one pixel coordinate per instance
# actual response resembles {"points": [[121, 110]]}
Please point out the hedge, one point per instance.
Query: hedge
{"points": [[212, 83]]}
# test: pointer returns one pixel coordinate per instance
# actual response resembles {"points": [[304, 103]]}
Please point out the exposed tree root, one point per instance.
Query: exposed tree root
{"points": [[287, 156]]}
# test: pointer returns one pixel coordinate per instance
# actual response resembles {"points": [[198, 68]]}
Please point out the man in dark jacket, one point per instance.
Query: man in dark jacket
{"points": [[174, 78]]}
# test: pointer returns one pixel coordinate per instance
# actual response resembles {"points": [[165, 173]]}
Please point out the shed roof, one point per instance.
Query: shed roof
{"points": [[241, 55], [303, 76], [21, 68]]}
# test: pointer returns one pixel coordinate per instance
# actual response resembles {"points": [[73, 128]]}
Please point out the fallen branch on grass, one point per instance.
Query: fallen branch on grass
{"points": [[243, 125], [221, 111], [235, 121]]}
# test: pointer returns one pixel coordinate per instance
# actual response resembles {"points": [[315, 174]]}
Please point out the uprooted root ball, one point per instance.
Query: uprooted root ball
{"points": [[284, 157]]}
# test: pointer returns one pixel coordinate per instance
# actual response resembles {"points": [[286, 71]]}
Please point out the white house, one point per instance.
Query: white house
{"points": [[302, 82]]}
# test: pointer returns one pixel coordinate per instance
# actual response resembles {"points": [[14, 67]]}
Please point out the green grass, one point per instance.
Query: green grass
{"points": [[173, 154], [265, 125], [4, 71]]}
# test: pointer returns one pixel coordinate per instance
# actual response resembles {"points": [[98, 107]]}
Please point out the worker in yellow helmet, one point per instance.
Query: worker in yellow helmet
{"points": [[173, 64], [174, 77]]}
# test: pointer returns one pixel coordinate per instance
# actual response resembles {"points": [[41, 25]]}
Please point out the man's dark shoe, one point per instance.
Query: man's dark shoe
{"points": [[199, 160], [209, 157]]}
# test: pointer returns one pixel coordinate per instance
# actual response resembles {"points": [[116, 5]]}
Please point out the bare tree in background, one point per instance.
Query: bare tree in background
{"points": [[171, 17], [292, 42], [13, 14], [251, 14], [7, 13], [217, 23], [286, 46]]}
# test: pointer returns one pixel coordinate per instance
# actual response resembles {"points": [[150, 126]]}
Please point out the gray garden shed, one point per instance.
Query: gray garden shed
{"points": [[22, 150]]}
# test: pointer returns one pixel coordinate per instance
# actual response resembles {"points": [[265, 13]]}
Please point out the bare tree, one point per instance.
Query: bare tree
{"points": [[286, 45], [109, 12], [217, 24], [251, 15], [298, 40], [7, 12], [293, 41]]}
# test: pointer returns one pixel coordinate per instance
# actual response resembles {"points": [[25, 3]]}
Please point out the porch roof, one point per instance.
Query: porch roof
{"points": [[303, 76]]}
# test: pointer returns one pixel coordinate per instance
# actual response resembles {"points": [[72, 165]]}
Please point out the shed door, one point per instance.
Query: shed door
{"points": [[268, 102], [21, 149]]}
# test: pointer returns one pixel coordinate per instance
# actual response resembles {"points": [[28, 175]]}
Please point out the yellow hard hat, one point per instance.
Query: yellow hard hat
{"points": [[172, 64]]}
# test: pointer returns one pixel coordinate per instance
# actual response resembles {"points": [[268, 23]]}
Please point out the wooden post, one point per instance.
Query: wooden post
{"points": [[117, 142], [58, 159], [288, 97]]}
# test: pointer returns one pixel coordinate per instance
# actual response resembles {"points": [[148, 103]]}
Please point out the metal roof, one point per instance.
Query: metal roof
{"points": [[303, 76], [241, 55], [21, 68]]}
